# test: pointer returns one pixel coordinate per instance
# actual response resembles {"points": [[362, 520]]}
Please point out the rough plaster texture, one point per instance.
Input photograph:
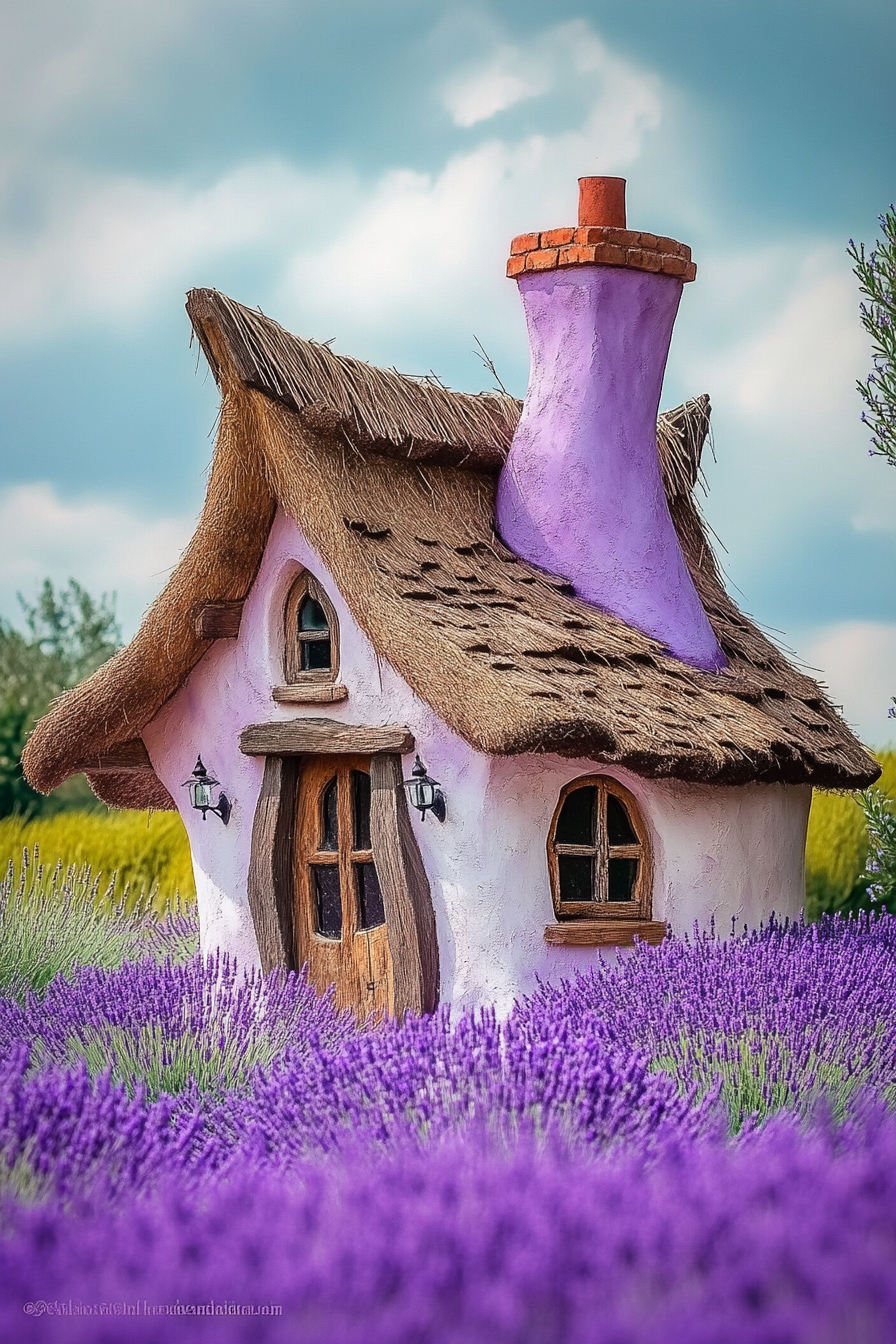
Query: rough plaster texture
{"points": [[719, 852], [581, 493]]}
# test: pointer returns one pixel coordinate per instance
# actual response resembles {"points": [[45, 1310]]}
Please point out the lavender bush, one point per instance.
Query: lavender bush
{"points": [[51, 923], [786, 1237], [567, 1174], [776, 1017], [169, 1027]]}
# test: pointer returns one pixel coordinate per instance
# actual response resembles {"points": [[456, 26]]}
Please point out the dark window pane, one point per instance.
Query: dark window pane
{"points": [[619, 827], [370, 898], [576, 877], [622, 875], [327, 900], [312, 615], [315, 655], [575, 825], [361, 801], [331, 815]]}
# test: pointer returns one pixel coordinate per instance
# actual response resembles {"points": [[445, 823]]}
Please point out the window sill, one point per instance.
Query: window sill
{"points": [[314, 693], [605, 932]]}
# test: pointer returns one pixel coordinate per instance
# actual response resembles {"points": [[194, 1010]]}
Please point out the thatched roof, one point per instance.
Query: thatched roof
{"points": [[392, 479]]}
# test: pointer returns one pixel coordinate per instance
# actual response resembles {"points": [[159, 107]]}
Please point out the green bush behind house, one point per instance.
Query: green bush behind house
{"points": [[837, 846], [148, 851]]}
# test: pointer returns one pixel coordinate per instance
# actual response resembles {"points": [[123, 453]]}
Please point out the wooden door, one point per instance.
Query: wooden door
{"points": [[340, 922]]}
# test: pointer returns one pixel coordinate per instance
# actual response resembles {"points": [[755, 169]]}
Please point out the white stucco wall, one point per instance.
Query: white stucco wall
{"points": [[722, 853]]}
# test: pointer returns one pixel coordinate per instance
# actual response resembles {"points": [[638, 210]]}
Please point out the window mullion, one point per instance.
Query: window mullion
{"points": [[346, 840], [601, 891]]}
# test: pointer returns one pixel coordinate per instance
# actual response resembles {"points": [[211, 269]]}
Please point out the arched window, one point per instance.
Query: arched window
{"points": [[599, 853], [311, 648]]}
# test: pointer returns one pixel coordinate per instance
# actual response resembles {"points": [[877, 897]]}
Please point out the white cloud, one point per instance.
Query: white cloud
{"points": [[54, 56], [857, 660], [110, 247], [562, 59], [412, 252], [57, 59], [480, 96], [775, 338], [426, 252], [794, 369], [103, 544]]}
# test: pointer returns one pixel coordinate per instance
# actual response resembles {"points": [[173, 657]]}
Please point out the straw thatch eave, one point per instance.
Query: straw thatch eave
{"points": [[115, 704], [369, 465]]}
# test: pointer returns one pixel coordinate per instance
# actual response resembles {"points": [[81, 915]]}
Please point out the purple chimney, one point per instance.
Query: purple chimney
{"points": [[581, 493]]}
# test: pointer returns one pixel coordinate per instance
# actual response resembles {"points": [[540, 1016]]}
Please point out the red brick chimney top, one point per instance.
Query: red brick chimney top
{"points": [[601, 239], [602, 202]]}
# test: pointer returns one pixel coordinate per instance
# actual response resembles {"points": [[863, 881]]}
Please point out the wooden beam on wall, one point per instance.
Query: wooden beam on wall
{"points": [[219, 620], [271, 887], [410, 918], [312, 737]]}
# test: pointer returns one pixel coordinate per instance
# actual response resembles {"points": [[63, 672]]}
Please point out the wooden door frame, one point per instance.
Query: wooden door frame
{"points": [[407, 901]]}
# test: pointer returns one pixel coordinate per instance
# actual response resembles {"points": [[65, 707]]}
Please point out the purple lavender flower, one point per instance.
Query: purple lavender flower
{"points": [[786, 1236], [562, 1175]]}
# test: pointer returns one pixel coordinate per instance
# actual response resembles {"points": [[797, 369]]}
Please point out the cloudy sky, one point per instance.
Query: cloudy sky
{"points": [[357, 169]]}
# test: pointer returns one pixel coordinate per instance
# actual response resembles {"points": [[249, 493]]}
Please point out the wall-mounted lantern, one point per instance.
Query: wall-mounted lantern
{"points": [[200, 785], [424, 793]]}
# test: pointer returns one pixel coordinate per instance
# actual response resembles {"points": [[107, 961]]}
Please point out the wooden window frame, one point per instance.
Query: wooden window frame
{"points": [[600, 909], [306, 585]]}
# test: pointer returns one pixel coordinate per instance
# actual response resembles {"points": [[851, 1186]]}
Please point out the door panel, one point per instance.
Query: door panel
{"points": [[340, 922]]}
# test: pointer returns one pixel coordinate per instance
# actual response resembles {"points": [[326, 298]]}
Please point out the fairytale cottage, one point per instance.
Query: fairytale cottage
{"points": [[524, 597]]}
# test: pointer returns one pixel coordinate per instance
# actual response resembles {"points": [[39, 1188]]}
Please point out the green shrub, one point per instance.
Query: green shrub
{"points": [[147, 853], [837, 848], [49, 924], [68, 635]]}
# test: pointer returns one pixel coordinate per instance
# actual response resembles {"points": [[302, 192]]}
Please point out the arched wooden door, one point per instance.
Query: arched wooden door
{"points": [[340, 922]]}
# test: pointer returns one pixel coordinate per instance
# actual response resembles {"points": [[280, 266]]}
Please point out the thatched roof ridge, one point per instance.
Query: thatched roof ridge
{"points": [[374, 409], [382, 411], [504, 653]]}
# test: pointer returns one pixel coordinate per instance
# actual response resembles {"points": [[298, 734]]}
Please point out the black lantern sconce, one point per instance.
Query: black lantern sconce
{"points": [[200, 785], [424, 793]]}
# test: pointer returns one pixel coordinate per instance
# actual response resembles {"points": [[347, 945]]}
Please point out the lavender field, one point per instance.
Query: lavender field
{"points": [[696, 1144]]}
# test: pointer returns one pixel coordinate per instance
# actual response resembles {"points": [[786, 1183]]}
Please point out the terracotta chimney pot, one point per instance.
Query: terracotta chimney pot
{"points": [[602, 202]]}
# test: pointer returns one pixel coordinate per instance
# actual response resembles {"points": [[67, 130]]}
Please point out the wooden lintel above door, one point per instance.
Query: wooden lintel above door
{"points": [[301, 737]]}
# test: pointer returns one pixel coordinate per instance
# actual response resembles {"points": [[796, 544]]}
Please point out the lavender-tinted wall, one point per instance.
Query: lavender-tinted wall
{"points": [[581, 493]]}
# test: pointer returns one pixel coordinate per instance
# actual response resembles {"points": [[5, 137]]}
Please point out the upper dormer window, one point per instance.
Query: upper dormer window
{"points": [[312, 634]]}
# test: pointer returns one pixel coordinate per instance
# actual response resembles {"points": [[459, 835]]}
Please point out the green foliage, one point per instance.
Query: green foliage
{"points": [[753, 1075], [876, 273], [51, 924], [880, 866], [213, 1049], [837, 848], [68, 636], [145, 853]]}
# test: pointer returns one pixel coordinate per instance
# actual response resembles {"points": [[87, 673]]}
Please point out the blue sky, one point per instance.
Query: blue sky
{"points": [[358, 170]]}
